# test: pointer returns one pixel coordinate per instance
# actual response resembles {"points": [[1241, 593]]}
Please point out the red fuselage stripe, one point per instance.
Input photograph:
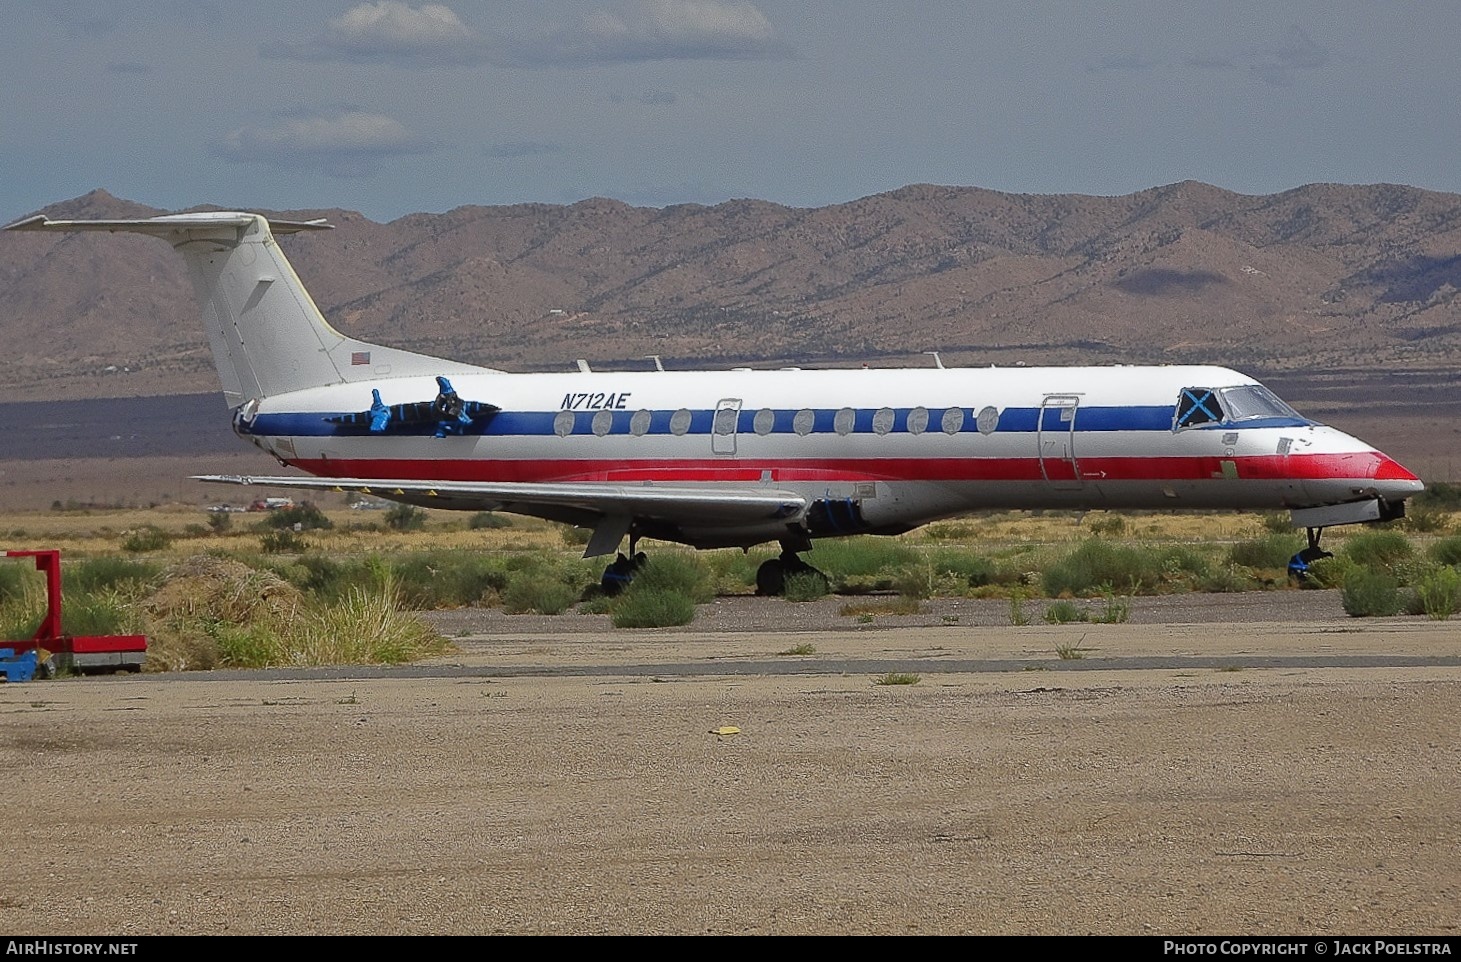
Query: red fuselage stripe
{"points": [[1357, 465]]}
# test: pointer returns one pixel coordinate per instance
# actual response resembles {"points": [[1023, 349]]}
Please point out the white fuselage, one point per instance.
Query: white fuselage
{"points": [[886, 449]]}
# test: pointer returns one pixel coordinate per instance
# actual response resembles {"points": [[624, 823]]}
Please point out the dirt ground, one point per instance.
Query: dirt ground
{"points": [[1184, 776]]}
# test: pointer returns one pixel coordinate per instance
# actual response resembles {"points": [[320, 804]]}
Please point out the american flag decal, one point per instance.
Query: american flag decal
{"points": [[359, 357]]}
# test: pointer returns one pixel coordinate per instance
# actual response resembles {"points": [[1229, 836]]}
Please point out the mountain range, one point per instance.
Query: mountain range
{"points": [[1320, 278]]}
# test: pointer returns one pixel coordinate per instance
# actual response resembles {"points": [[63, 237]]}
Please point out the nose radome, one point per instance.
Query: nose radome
{"points": [[1388, 469], [1393, 481]]}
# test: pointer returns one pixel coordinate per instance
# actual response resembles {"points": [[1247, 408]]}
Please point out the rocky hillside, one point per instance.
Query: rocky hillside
{"points": [[1321, 277]]}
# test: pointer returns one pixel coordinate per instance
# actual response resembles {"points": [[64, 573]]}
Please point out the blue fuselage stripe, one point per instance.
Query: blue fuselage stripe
{"points": [[541, 423]]}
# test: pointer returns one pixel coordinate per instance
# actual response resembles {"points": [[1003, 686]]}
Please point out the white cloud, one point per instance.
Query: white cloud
{"points": [[1294, 51], [391, 25], [389, 31], [349, 143], [663, 30]]}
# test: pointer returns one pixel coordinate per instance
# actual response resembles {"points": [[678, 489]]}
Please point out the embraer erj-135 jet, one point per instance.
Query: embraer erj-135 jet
{"points": [[738, 458]]}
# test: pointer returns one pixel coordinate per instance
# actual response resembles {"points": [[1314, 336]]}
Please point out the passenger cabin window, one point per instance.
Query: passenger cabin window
{"points": [[882, 420], [988, 419], [843, 420], [563, 423], [639, 423], [953, 421], [680, 422], [918, 420], [725, 421], [603, 422], [804, 421], [764, 421], [1197, 405]]}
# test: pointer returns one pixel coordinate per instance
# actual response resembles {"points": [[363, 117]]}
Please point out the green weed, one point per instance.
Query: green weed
{"points": [[1273, 551], [651, 607], [805, 586], [1116, 609], [1439, 592], [541, 595], [1369, 593], [1018, 615], [1064, 613], [1447, 551], [405, 517], [299, 517], [146, 538], [1377, 549], [284, 541]]}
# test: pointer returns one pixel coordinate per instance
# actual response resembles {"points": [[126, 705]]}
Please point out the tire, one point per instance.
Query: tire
{"points": [[771, 578]]}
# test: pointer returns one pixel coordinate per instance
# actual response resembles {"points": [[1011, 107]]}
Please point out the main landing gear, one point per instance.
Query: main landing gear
{"points": [[772, 576], [622, 569], [1299, 563]]}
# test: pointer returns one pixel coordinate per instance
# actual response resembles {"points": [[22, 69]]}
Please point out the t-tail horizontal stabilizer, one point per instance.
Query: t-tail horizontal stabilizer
{"points": [[267, 336]]}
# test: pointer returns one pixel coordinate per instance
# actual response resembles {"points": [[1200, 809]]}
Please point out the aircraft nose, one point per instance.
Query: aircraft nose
{"points": [[1356, 470], [1393, 481]]}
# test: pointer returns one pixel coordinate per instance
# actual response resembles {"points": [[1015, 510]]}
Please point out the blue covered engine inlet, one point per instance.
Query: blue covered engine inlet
{"points": [[447, 414], [450, 409], [380, 415]]}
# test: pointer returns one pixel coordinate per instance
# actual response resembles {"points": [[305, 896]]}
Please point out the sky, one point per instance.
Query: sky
{"points": [[391, 107]]}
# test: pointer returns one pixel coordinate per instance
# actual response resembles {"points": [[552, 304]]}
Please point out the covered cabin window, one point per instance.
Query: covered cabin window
{"points": [[725, 421], [1197, 405]]}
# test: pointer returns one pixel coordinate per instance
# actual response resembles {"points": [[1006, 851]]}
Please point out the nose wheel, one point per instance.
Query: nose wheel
{"points": [[1299, 563]]}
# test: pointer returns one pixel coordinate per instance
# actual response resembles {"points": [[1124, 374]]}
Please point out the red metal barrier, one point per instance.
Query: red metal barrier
{"points": [[75, 652]]}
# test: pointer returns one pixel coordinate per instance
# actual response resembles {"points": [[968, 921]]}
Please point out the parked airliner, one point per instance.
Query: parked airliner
{"points": [[741, 457]]}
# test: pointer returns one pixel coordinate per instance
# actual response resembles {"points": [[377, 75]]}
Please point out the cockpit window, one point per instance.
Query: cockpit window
{"points": [[1197, 405], [1254, 401], [1227, 405]]}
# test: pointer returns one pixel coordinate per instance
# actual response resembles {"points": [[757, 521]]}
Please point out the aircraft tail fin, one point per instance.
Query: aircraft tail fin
{"points": [[267, 335]]}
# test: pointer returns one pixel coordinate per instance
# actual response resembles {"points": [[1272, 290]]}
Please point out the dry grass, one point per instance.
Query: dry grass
{"points": [[214, 612], [1020, 541], [102, 532], [899, 605], [1022, 527]]}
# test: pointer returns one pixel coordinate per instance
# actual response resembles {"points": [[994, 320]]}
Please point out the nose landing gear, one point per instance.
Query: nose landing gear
{"points": [[1299, 563]]}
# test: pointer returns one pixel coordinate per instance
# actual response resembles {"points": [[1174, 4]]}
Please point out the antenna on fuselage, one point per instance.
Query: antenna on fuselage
{"points": [[583, 367], [659, 365], [938, 362]]}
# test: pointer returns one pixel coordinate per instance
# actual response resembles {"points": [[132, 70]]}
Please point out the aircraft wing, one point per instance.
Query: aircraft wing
{"points": [[584, 503]]}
